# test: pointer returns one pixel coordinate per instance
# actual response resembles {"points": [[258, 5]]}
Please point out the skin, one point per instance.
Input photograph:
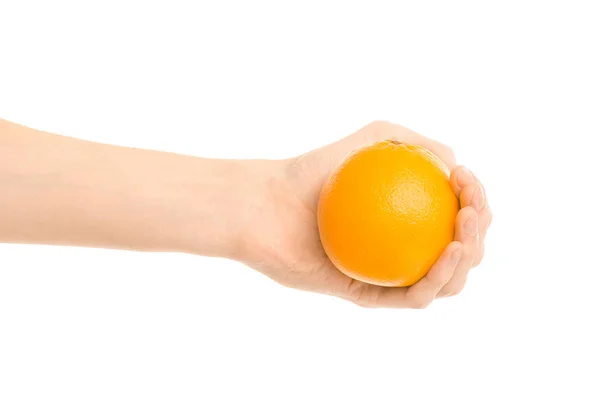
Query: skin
{"points": [[64, 191]]}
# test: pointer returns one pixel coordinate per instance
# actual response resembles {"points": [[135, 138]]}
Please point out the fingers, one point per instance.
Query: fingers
{"points": [[473, 196], [425, 290], [468, 234], [416, 296], [472, 193], [461, 177]]}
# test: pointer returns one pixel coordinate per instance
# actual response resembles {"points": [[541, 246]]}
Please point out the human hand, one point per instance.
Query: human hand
{"points": [[284, 243], [259, 212]]}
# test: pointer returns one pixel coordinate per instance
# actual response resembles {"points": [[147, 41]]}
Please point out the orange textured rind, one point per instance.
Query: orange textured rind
{"points": [[387, 213]]}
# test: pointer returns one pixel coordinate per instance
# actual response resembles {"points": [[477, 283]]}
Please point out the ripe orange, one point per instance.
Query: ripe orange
{"points": [[387, 213]]}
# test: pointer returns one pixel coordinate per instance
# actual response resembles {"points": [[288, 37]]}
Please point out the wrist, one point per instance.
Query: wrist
{"points": [[219, 204]]}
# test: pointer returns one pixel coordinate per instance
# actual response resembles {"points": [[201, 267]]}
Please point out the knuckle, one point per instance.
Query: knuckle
{"points": [[359, 294], [448, 154], [479, 256], [361, 304], [465, 196], [449, 292], [447, 150], [419, 302], [363, 300], [453, 289], [458, 289], [485, 220]]}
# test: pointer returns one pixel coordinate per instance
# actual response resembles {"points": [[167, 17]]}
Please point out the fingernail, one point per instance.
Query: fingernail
{"points": [[455, 257], [465, 177], [471, 226], [477, 200]]}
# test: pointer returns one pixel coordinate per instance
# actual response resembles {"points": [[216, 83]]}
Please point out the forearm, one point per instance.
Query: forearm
{"points": [[64, 191]]}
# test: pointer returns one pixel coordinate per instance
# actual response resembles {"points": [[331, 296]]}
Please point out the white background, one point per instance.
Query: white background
{"points": [[513, 87]]}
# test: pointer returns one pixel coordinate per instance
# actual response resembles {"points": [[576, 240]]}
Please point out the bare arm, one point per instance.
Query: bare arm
{"points": [[65, 191]]}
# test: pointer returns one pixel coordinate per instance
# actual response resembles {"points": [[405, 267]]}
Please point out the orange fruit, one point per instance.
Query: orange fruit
{"points": [[387, 213]]}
